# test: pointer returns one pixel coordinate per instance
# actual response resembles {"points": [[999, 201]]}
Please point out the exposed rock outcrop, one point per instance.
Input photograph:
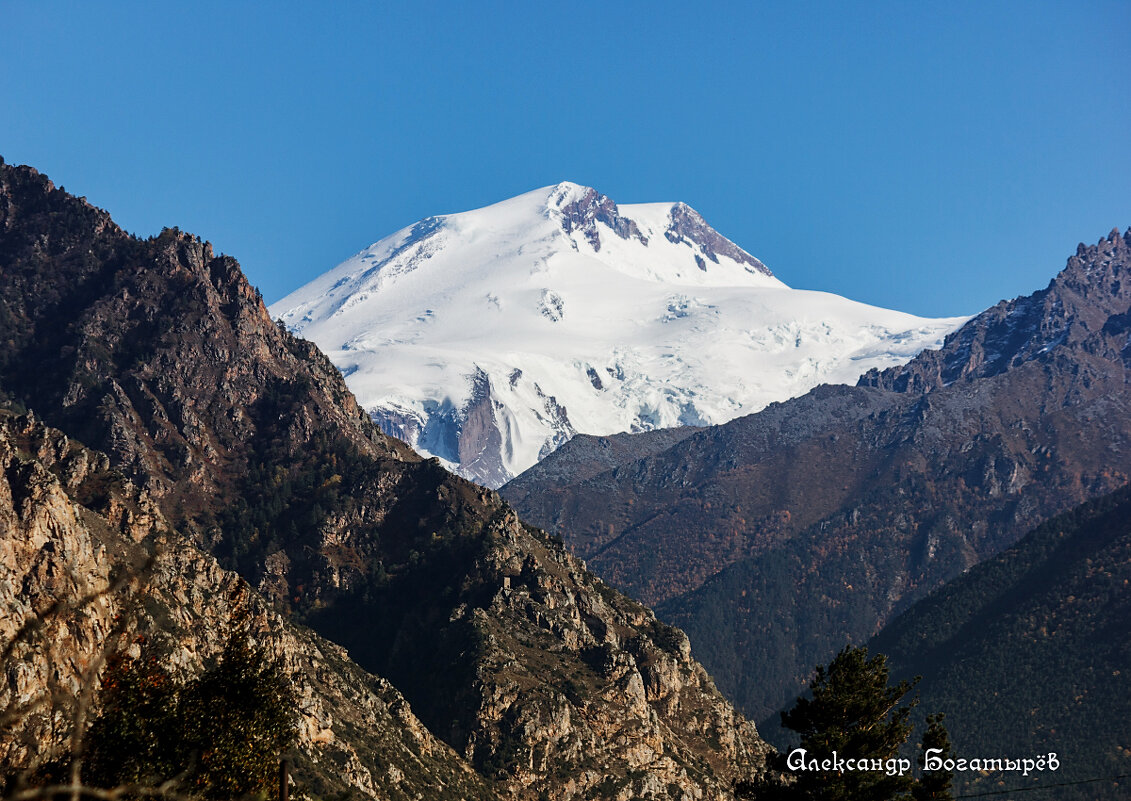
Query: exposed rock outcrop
{"points": [[582, 213], [687, 225], [89, 557]]}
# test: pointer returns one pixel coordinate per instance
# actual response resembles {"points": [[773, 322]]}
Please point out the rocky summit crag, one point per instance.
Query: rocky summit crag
{"points": [[526, 676], [776, 537]]}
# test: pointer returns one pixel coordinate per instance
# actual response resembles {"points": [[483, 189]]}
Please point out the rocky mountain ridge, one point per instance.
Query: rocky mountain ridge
{"points": [[158, 352], [1086, 297]]}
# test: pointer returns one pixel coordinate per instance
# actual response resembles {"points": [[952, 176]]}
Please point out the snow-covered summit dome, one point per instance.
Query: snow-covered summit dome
{"points": [[488, 338]]}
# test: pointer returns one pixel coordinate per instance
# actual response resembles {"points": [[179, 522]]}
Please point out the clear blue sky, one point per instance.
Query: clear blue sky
{"points": [[929, 156]]}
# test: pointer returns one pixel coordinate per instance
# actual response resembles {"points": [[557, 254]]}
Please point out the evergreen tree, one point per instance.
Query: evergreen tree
{"points": [[853, 712], [934, 785]]}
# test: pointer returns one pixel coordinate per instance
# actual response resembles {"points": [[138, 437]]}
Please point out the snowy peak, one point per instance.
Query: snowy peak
{"points": [[490, 337], [669, 243]]}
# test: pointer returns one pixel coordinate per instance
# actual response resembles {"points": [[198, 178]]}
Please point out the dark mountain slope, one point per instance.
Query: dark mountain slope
{"points": [[155, 350], [161, 354], [586, 455], [1030, 651], [837, 509]]}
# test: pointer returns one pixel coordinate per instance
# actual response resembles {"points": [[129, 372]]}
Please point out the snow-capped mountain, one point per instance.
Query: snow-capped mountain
{"points": [[489, 338]]}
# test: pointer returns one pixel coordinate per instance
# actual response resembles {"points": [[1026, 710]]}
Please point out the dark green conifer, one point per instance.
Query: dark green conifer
{"points": [[935, 785], [852, 711]]}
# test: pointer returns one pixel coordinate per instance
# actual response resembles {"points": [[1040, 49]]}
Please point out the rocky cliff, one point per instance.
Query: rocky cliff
{"points": [[90, 566]]}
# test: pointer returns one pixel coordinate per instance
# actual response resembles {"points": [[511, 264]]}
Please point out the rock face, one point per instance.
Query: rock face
{"points": [[249, 445], [76, 537], [688, 226], [839, 508], [582, 213]]}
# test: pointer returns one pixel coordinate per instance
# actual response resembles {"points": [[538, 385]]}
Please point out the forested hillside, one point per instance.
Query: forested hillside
{"points": [[1030, 652]]}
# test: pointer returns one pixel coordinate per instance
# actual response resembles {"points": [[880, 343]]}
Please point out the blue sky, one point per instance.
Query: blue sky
{"points": [[931, 157]]}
